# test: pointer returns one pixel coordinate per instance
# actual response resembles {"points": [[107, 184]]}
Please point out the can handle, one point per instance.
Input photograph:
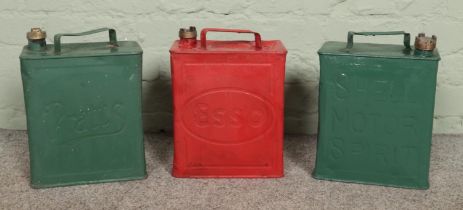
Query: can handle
{"points": [[350, 37], [257, 38], [112, 37]]}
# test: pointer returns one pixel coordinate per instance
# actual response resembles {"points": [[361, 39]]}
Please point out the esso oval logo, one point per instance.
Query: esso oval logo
{"points": [[228, 116]]}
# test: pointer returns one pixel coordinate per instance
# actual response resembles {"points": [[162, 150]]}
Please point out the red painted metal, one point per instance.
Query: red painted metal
{"points": [[228, 107]]}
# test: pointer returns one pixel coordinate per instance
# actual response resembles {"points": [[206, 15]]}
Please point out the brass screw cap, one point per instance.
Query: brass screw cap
{"points": [[422, 42], [36, 34], [187, 33]]}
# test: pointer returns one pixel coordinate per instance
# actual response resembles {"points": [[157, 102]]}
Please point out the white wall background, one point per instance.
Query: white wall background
{"points": [[302, 25]]}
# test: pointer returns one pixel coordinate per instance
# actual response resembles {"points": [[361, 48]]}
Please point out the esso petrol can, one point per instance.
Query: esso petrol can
{"points": [[228, 99]]}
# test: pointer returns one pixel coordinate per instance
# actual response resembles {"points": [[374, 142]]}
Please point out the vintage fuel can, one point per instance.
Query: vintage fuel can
{"points": [[376, 111], [83, 105], [228, 106]]}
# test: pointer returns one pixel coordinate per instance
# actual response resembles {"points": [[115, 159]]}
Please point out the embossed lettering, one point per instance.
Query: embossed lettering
{"points": [[339, 117], [381, 153], [201, 114], [336, 148], [218, 117], [409, 124], [397, 92], [91, 120], [379, 90], [343, 119], [236, 118], [227, 116], [256, 118]]}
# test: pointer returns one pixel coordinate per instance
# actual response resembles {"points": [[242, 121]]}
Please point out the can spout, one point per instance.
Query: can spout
{"points": [[187, 37], [36, 39], [425, 43]]}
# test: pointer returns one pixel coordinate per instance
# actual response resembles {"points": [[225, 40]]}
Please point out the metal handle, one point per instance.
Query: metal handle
{"points": [[257, 38], [112, 37], [350, 36]]}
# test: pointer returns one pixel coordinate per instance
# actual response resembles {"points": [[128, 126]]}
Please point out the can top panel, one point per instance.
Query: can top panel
{"points": [[215, 46], [375, 50], [83, 50]]}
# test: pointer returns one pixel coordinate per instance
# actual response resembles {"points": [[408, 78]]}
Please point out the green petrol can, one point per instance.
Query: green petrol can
{"points": [[83, 105], [376, 105]]}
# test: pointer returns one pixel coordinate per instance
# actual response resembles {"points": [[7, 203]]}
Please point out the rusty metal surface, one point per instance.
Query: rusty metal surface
{"points": [[187, 33], [36, 33], [426, 43]]}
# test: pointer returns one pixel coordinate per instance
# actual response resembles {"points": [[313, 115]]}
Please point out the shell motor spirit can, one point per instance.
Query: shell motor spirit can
{"points": [[376, 111], [83, 105], [228, 105]]}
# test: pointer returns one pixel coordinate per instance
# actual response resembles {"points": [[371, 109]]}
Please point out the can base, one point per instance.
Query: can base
{"points": [[227, 173], [41, 186], [321, 177], [226, 177]]}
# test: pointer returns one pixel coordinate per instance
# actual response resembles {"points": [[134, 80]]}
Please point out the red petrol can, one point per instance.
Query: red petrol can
{"points": [[228, 99]]}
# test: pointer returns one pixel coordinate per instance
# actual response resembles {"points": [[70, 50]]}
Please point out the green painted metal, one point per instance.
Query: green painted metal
{"points": [[375, 113], [83, 105], [350, 37]]}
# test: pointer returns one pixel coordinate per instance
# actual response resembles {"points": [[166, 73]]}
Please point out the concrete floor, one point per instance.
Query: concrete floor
{"points": [[297, 190]]}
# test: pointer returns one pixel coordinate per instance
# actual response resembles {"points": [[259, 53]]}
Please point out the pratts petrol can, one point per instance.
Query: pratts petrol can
{"points": [[376, 111], [83, 104], [228, 106]]}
